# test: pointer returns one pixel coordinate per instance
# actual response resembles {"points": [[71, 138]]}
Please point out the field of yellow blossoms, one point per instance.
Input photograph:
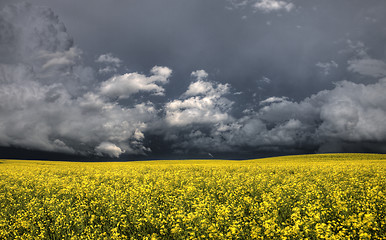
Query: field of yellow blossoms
{"points": [[329, 196]]}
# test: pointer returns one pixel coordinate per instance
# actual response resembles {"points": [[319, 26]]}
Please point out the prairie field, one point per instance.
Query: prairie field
{"points": [[327, 196]]}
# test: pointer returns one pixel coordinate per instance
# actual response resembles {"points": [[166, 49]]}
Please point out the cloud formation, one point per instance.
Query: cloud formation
{"points": [[343, 119], [202, 103], [109, 63], [49, 100], [266, 6], [368, 67], [109, 148], [123, 86], [273, 5]]}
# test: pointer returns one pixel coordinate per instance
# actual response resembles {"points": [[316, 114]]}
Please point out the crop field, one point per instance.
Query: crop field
{"points": [[328, 196]]}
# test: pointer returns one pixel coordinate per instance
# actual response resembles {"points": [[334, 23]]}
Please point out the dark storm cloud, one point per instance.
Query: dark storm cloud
{"points": [[346, 118], [50, 101], [193, 76], [238, 46]]}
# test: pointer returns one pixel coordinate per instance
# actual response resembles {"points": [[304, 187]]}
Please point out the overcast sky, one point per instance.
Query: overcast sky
{"points": [[193, 78]]}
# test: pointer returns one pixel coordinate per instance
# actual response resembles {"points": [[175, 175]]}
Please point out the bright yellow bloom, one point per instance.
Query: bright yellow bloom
{"points": [[329, 196]]}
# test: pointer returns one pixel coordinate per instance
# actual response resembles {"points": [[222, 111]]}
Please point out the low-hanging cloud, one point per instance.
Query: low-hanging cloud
{"points": [[109, 148], [50, 101], [123, 86], [202, 103], [347, 118], [349, 113]]}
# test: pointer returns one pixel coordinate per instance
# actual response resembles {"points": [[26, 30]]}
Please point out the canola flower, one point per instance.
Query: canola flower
{"points": [[329, 196]]}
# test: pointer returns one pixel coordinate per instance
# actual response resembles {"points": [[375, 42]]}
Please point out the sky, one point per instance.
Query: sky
{"points": [[150, 79]]}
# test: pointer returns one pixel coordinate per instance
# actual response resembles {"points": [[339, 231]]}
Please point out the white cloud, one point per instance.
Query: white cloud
{"points": [[109, 149], [48, 118], [161, 74], [273, 5], [200, 74], [203, 102], [262, 5], [60, 59], [363, 63], [107, 69], [199, 87], [331, 120], [196, 110], [350, 112], [109, 62], [273, 100], [354, 112], [368, 67], [49, 101], [109, 58], [123, 86], [203, 87]]}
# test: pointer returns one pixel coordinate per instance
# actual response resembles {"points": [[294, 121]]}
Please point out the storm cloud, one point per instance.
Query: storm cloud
{"points": [[223, 85], [50, 101]]}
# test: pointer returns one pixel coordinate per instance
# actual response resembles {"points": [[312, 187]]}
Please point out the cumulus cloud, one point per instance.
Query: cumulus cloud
{"points": [[273, 100], [273, 5], [266, 6], [123, 86], [109, 149], [193, 120], [203, 102], [202, 87], [40, 117], [349, 113], [60, 59], [200, 74], [354, 112], [109, 63], [109, 58], [342, 119], [368, 67], [50, 101], [362, 62]]}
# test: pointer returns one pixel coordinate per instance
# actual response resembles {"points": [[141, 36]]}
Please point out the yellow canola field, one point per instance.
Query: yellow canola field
{"points": [[329, 196]]}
